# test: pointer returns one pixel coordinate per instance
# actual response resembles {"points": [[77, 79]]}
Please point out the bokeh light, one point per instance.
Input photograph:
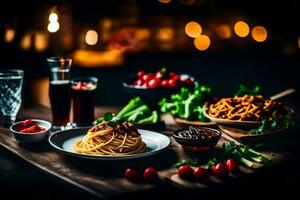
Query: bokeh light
{"points": [[40, 42], [193, 29], [53, 17], [259, 33], [164, 1], [202, 42], [223, 31], [241, 29], [9, 35], [53, 27], [299, 41], [26, 42], [91, 37], [165, 34]]}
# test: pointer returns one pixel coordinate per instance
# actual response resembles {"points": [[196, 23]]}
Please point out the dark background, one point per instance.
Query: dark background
{"points": [[273, 65]]}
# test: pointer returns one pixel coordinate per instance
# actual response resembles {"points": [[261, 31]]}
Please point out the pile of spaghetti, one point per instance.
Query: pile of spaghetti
{"points": [[245, 108], [107, 139]]}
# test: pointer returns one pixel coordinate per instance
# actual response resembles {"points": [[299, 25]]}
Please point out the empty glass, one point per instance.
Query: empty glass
{"points": [[10, 94]]}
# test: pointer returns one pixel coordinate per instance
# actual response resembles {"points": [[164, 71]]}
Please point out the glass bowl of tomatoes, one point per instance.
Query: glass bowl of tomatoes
{"points": [[152, 87], [30, 130]]}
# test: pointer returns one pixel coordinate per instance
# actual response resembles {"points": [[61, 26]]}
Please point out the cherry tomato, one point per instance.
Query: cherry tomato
{"points": [[185, 171], [147, 77], [159, 74], [164, 83], [232, 165], [200, 173], [150, 174], [176, 77], [27, 123], [132, 174], [153, 83], [140, 74], [220, 169], [139, 82], [172, 83]]}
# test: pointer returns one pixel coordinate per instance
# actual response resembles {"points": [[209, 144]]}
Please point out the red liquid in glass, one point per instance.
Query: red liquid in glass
{"points": [[83, 95], [60, 99]]}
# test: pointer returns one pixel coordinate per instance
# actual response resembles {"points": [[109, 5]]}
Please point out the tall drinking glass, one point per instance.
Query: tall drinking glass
{"points": [[60, 91], [10, 94], [83, 95]]}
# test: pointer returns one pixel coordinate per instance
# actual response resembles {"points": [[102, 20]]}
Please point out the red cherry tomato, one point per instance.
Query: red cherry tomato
{"points": [[140, 74], [27, 123], [220, 169], [159, 74], [176, 77], [147, 77], [164, 83], [200, 173], [187, 81], [172, 83], [139, 82], [150, 174], [153, 83], [232, 165], [185, 171], [132, 174]]}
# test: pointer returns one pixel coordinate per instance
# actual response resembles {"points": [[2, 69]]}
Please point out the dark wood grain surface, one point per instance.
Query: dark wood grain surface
{"points": [[105, 179]]}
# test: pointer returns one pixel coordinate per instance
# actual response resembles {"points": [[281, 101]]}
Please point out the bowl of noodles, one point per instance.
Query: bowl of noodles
{"points": [[247, 111]]}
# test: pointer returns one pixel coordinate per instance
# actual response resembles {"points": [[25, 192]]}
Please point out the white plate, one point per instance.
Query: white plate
{"points": [[64, 142]]}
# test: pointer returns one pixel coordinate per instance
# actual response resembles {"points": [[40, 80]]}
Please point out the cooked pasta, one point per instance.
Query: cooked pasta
{"points": [[245, 108], [116, 140]]}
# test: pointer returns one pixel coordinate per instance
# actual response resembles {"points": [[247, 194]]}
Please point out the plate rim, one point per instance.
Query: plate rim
{"points": [[107, 157]]}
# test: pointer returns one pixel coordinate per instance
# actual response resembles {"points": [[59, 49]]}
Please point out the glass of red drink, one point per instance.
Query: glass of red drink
{"points": [[60, 91], [83, 96]]}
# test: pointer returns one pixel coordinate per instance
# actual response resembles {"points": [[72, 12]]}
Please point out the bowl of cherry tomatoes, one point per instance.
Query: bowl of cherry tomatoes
{"points": [[154, 86], [30, 130]]}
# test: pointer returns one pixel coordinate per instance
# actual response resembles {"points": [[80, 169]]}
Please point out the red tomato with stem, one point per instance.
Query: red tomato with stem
{"points": [[185, 171], [150, 174], [232, 165], [219, 169], [200, 173], [132, 174]]}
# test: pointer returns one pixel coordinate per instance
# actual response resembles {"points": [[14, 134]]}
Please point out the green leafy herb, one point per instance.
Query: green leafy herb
{"points": [[108, 116], [245, 90], [187, 104], [187, 162], [276, 123], [244, 154]]}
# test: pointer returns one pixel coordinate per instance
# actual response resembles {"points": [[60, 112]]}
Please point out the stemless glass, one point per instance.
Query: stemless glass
{"points": [[83, 96], [60, 91], [11, 82]]}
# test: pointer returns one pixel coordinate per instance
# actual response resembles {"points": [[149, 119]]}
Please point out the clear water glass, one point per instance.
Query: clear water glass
{"points": [[11, 82]]}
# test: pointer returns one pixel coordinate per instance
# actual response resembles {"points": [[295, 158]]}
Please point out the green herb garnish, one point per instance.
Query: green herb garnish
{"points": [[187, 162], [243, 90]]}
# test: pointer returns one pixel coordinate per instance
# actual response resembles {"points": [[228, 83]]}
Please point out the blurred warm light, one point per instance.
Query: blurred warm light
{"points": [[25, 42], [53, 27], [164, 1], [259, 33], [53, 17], [40, 42], [9, 35], [142, 34], [109, 58], [241, 29], [299, 41], [193, 29], [91, 37], [187, 2], [202, 42], [223, 31], [165, 34], [40, 88]]}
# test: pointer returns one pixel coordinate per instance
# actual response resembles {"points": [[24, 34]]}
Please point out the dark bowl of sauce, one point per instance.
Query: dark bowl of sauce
{"points": [[197, 138]]}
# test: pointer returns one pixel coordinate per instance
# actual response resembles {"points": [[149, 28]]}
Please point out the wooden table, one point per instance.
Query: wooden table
{"points": [[105, 180]]}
